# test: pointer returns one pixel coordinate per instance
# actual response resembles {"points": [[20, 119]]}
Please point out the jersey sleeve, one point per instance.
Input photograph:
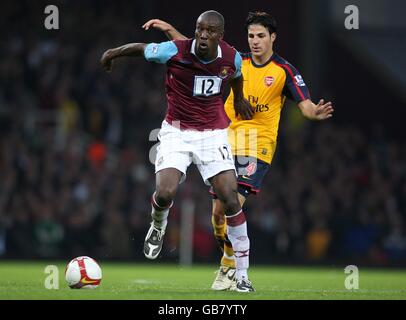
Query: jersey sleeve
{"points": [[238, 64], [160, 52], [295, 87]]}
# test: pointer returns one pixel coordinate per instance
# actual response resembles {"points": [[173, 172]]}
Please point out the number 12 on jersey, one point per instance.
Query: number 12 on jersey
{"points": [[206, 86]]}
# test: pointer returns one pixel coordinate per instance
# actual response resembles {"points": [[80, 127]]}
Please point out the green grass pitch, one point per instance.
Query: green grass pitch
{"points": [[158, 281]]}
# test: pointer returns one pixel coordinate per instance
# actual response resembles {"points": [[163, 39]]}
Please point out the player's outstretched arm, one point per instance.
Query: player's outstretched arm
{"points": [[241, 105], [320, 111], [127, 50], [168, 29]]}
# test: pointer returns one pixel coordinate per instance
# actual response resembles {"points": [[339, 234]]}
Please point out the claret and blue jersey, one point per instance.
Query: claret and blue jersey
{"points": [[194, 88]]}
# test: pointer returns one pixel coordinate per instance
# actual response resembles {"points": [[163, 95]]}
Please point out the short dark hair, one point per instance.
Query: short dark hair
{"points": [[262, 18], [216, 15]]}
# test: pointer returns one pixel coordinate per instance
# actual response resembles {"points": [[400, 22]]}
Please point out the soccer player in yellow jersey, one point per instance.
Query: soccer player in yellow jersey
{"points": [[268, 80]]}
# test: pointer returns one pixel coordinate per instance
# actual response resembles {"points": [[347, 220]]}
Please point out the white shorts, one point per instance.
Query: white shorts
{"points": [[209, 150]]}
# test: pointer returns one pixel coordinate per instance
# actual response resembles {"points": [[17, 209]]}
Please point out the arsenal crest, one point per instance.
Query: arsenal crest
{"points": [[269, 80]]}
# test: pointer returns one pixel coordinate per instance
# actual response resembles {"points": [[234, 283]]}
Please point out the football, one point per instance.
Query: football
{"points": [[83, 273]]}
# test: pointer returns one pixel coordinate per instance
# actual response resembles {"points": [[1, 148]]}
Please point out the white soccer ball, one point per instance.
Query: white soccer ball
{"points": [[83, 272]]}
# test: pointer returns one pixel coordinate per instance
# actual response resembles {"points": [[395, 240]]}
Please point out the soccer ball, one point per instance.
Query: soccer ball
{"points": [[83, 272]]}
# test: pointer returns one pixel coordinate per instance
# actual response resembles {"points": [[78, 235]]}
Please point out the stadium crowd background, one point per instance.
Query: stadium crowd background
{"points": [[74, 152]]}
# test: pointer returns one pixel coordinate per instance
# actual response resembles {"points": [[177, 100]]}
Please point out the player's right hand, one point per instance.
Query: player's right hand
{"points": [[323, 110], [243, 108], [157, 24], [107, 60]]}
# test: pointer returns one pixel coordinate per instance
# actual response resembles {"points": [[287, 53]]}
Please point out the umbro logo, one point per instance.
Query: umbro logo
{"points": [[185, 61]]}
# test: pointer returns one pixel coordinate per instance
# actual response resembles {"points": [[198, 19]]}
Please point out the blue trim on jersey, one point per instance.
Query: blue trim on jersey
{"points": [[245, 55], [295, 88], [238, 64], [160, 52], [205, 62]]}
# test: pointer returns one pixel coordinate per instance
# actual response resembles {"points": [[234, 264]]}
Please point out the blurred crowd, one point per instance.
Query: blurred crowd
{"points": [[76, 176]]}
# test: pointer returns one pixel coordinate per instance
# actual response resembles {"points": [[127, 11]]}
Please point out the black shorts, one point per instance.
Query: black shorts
{"points": [[251, 172]]}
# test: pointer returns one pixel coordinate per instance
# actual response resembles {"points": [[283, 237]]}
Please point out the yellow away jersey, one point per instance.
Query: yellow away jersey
{"points": [[265, 87]]}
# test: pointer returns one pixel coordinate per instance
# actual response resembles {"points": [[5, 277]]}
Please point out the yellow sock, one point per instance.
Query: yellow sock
{"points": [[219, 229], [228, 259]]}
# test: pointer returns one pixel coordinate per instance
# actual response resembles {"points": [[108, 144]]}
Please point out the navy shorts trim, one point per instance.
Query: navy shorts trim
{"points": [[251, 172]]}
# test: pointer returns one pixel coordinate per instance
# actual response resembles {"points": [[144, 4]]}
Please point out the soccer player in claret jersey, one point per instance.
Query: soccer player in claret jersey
{"points": [[269, 79], [195, 127]]}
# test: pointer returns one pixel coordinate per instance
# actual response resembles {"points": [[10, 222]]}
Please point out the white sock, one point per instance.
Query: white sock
{"points": [[237, 234], [239, 274]]}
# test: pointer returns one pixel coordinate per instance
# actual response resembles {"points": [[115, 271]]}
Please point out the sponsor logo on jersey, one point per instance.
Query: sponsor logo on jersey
{"points": [[261, 108]]}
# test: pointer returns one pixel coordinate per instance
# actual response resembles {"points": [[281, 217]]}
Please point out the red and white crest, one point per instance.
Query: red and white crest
{"points": [[251, 168], [269, 80]]}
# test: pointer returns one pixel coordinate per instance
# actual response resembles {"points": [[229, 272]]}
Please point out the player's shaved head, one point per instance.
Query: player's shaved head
{"points": [[212, 17], [209, 32]]}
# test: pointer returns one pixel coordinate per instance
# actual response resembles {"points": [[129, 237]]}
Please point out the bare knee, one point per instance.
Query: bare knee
{"points": [[225, 186], [167, 182], [230, 202]]}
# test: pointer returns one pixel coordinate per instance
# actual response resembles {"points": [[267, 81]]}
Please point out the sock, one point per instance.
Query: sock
{"points": [[228, 259], [239, 274], [219, 228], [237, 233], [159, 214]]}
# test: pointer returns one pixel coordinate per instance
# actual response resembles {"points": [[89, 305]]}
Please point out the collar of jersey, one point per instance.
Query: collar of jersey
{"points": [[192, 51], [264, 64]]}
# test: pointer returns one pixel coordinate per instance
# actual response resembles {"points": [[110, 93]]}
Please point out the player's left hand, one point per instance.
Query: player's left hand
{"points": [[243, 108], [323, 110], [157, 24], [107, 60]]}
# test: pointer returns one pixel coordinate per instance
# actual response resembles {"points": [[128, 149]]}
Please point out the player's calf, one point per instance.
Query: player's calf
{"points": [[154, 238]]}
